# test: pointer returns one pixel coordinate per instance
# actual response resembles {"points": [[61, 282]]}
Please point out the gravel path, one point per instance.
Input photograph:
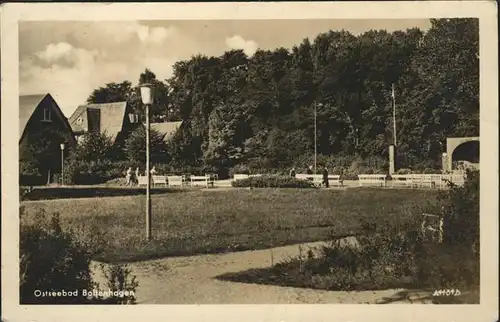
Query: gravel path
{"points": [[191, 280]]}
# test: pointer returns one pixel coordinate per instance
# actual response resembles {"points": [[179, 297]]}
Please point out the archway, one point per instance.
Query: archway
{"points": [[464, 150]]}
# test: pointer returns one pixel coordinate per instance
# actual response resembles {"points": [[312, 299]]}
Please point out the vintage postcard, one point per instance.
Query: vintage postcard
{"points": [[250, 161]]}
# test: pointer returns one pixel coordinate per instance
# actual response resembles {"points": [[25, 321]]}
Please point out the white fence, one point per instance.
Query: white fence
{"points": [[372, 179], [427, 180], [433, 181]]}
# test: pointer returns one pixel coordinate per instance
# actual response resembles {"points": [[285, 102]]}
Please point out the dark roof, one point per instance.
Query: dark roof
{"points": [[112, 116], [27, 106], [76, 114], [167, 129]]}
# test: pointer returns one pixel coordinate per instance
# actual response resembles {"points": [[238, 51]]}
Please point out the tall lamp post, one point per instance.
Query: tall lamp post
{"points": [[147, 100], [62, 164]]}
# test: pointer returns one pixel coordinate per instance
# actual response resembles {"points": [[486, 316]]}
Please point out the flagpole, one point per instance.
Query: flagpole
{"points": [[315, 135], [392, 147]]}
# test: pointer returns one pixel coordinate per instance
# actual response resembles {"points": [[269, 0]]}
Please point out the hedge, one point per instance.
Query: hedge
{"points": [[272, 181]]}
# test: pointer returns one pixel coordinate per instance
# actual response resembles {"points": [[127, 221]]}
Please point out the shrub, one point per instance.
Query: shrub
{"points": [[119, 279], [135, 146], [94, 172], [401, 257], [432, 171], [404, 171], [271, 181], [461, 213], [94, 146], [29, 174], [239, 169], [54, 260]]}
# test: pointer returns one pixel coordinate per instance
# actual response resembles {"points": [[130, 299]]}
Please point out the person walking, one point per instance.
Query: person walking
{"points": [[325, 178], [129, 176], [136, 179], [292, 173], [310, 173]]}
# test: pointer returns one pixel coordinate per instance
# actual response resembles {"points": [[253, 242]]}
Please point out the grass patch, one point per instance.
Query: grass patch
{"points": [[190, 222]]}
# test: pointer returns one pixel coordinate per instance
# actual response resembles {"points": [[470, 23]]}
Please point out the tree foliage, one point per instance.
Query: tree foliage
{"points": [[135, 147], [94, 146], [41, 153], [238, 108]]}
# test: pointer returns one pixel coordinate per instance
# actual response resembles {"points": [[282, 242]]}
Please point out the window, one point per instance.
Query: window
{"points": [[46, 114], [80, 120]]}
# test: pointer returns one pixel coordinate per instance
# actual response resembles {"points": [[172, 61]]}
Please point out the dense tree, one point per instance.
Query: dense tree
{"points": [[94, 146], [239, 109], [135, 146], [42, 153]]}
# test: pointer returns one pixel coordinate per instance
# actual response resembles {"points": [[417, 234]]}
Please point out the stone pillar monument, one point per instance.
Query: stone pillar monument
{"points": [[392, 167]]}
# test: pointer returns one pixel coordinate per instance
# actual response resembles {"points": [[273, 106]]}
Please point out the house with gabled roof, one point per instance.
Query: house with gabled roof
{"points": [[109, 118], [116, 120], [42, 129]]}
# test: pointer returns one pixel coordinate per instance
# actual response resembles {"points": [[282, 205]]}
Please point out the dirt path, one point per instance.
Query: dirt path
{"points": [[191, 280]]}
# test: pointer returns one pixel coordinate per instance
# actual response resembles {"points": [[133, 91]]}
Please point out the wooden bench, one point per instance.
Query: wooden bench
{"points": [[405, 179], [457, 179], [175, 181], [212, 176], [201, 181], [317, 179], [432, 226], [428, 180], [334, 179], [372, 179], [240, 177], [302, 176], [159, 180], [142, 181]]}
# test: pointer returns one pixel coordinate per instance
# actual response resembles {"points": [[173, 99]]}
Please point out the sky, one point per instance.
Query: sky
{"points": [[70, 59]]}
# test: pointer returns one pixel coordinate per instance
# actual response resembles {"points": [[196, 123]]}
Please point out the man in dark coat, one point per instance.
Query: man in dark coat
{"points": [[325, 178], [292, 173], [309, 172]]}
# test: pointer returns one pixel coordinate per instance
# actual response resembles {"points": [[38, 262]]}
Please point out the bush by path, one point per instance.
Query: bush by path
{"points": [[191, 222], [398, 257], [272, 181], [52, 259]]}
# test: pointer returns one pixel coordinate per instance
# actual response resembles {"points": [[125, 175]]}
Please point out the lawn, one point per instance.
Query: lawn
{"points": [[191, 222]]}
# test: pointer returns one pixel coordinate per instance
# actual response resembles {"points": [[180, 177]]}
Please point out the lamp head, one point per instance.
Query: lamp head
{"points": [[147, 93], [62, 146]]}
